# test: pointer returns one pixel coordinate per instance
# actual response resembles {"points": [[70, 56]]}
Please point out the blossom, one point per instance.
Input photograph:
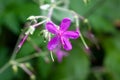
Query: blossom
{"points": [[62, 35], [60, 54]]}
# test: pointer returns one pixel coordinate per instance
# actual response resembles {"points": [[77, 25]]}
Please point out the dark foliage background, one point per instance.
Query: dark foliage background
{"points": [[104, 64]]}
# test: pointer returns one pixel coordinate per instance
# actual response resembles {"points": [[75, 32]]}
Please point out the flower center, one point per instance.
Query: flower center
{"points": [[60, 33]]}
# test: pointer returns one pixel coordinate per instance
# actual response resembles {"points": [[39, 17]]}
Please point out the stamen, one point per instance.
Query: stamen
{"points": [[51, 54]]}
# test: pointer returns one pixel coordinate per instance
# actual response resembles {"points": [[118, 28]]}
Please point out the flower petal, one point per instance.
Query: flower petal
{"points": [[67, 45], [65, 23], [71, 34], [60, 54], [53, 43], [51, 27]]}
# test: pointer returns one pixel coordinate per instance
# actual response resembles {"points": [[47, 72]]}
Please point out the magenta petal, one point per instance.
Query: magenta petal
{"points": [[53, 43], [71, 34], [65, 23], [60, 55], [51, 27], [67, 45]]}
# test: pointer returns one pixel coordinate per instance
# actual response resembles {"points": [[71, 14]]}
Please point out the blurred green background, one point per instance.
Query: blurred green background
{"points": [[104, 64]]}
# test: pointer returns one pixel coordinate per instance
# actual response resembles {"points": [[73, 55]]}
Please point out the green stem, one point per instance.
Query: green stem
{"points": [[80, 34], [22, 66], [59, 2], [86, 46], [27, 57], [4, 67], [70, 11]]}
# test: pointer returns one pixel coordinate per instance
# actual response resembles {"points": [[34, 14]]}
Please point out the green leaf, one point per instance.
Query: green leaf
{"points": [[101, 24], [3, 55], [62, 14], [27, 10], [7, 74], [112, 60], [44, 68], [74, 67], [12, 23]]}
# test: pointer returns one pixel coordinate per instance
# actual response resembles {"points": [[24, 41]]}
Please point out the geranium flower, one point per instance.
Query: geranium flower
{"points": [[62, 35]]}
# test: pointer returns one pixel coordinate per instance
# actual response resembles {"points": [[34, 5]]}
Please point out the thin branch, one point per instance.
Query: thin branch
{"points": [[28, 57], [36, 25], [26, 69], [71, 11], [4, 67], [50, 13], [80, 34]]}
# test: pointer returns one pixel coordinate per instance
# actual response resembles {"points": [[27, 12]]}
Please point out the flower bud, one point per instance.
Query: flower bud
{"points": [[15, 68], [30, 30], [31, 18], [28, 65], [44, 7], [86, 1], [85, 20], [32, 77]]}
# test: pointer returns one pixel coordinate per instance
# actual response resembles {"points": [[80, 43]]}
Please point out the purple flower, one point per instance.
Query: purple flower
{"points": [[62, 35], [60, 54]]}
